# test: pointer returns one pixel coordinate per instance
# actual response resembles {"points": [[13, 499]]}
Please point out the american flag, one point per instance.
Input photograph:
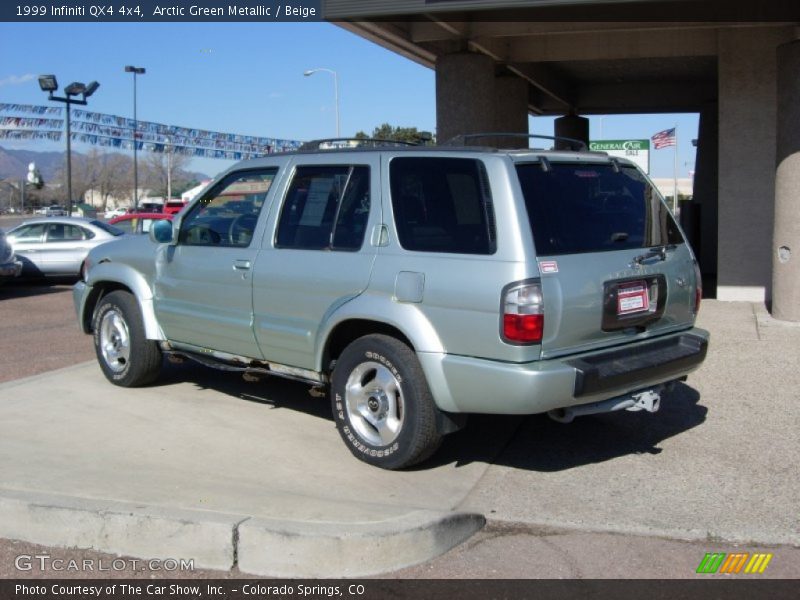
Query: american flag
{"points": [[664, 139]]}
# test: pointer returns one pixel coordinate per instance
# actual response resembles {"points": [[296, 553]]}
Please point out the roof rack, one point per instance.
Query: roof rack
{"points": [[461, 139], [343, 143]]}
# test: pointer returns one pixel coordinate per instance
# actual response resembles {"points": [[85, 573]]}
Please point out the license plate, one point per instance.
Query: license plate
{"points": [[632, 298]]}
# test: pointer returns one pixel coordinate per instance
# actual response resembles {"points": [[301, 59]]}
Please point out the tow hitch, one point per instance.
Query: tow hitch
{"points": [[648, 400]]}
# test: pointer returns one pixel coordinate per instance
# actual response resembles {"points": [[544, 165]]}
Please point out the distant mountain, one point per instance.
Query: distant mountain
{"points": [[14, 164]]}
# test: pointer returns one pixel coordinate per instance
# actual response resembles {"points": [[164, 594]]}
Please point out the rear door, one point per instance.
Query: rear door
{"points": [[65, 247], [318, 255], [614, 265]]}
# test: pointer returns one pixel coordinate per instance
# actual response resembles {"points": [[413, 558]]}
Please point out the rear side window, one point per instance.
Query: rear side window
{"points": [[326, 208], [577, 208], [59, 232], [442, 205]]}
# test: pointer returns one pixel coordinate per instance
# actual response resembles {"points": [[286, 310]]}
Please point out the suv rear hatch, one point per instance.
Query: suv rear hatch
{"points": [[614, 265]]}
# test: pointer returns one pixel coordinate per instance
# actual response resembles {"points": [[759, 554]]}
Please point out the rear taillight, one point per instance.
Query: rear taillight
{"points": [[523, 313], [698, 287]]}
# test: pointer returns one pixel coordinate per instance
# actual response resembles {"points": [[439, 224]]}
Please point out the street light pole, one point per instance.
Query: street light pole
{"points": [[168, 148], [49, 84], [335, 90], [136, 71]]}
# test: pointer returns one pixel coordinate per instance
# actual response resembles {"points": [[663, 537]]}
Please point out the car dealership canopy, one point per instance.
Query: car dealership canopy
{"points": [[736, 64]]}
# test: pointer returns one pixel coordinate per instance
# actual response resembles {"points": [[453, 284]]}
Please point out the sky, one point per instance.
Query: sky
{"points": [[247, 78]]}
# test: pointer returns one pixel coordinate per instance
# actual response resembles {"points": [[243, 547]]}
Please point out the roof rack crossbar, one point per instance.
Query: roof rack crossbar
{"points": [[461, 139], [345, 142]]}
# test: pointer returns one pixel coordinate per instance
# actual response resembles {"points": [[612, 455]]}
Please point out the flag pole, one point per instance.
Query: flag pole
{"points": [[675, 175]]}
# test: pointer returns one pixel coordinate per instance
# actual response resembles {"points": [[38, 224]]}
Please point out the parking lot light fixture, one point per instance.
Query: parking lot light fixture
{"points": [[310, 72], [49, 84]]}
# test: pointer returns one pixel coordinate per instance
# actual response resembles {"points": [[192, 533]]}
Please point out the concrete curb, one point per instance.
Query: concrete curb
{"points": [[217, 540], [119, 527], [279, 549]]}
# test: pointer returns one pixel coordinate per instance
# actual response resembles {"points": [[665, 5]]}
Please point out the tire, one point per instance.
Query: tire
{"points": [[382, 405], [127, 358]]}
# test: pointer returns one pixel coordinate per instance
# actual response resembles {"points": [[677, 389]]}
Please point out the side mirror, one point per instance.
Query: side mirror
{"points": [[161, 232]]}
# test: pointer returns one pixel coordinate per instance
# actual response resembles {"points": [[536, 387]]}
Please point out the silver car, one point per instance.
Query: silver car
{"points": [[57, 246], [414, 286], [10, 265]]}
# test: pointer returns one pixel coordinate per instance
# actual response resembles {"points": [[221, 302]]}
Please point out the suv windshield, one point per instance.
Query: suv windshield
{"points": [[575, 208]]}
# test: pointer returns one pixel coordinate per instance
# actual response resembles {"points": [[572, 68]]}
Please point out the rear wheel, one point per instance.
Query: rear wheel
{"points": [[382, 405], [126, 356]]}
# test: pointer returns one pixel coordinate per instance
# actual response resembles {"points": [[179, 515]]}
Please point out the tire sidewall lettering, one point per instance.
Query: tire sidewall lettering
{"points": [[374, 356]]}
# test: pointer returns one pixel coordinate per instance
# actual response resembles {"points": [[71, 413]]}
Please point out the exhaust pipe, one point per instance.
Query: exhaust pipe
{"points": [[648, 400]]}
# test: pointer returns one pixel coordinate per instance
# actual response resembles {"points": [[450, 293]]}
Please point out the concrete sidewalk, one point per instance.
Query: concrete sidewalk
{"points": [[209, 467]]}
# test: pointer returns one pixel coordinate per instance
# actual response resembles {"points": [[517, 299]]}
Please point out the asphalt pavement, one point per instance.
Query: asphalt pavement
{"points": [[252, 477]]}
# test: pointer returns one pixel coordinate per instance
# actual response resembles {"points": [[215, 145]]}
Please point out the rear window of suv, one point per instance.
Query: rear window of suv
{"points": [[442, 205], [578, 208]]}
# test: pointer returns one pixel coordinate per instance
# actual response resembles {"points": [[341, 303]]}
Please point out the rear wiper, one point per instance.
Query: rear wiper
{"points": [[660, 252]]}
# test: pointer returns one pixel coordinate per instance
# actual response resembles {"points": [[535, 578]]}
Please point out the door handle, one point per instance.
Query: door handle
{"points": [[241, 265]]}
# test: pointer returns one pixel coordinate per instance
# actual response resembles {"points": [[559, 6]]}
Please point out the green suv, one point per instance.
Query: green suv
{"points": [[414, 285]]}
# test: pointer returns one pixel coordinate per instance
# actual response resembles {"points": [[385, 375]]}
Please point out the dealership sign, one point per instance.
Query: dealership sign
{"points": [[637, 151]]}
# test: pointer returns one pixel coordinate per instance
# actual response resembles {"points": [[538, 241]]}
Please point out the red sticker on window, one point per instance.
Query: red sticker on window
{"points": [[548, 266]]}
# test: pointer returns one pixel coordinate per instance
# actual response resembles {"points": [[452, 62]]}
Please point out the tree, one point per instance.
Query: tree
{"points": [[400, 134], [113, 177], [165, 169], [105, 174]]}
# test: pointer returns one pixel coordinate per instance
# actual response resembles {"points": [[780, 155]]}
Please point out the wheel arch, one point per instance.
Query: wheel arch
{"points": [[108, 277], [347, 331], [368, 314]]}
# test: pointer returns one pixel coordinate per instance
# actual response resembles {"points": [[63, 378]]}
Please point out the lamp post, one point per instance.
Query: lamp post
{"points": [[168, 150], [335, 90], [49, 84], [136, 71]]}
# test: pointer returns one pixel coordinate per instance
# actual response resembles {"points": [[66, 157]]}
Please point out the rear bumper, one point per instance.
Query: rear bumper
{"points": [[471, 385], [662, 358]]}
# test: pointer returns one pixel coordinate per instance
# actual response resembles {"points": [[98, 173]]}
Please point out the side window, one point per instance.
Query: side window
{"points": [[326, 207], [227, 215], [442, 205], [31, 233], [58, 232]]}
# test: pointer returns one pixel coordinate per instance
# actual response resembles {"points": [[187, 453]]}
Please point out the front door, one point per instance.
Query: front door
{"points": [[203, 284]]}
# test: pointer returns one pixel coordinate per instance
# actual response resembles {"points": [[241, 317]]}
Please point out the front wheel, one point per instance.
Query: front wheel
{"points": [[382, 405], [126, 356]]}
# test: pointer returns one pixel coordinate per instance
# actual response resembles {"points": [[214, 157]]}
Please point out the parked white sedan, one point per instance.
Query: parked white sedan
{"points": [[57, 246], [115, 212]]}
